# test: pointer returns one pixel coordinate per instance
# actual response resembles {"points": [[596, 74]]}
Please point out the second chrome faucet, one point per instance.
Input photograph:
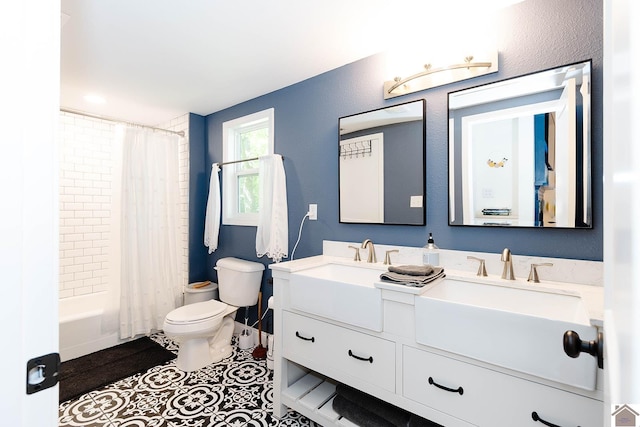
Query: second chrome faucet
{"points": [[507, 271], [368, 244]]}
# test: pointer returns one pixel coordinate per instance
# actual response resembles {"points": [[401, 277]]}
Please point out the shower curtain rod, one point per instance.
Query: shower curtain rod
{"points": [[241, 161], [110, 119]]}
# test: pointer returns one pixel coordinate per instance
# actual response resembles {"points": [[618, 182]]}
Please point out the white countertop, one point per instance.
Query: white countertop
{"points": [[592, 296]]}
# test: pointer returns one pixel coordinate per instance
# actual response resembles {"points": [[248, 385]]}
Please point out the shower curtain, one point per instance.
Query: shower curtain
{"points": [[151, 275]]}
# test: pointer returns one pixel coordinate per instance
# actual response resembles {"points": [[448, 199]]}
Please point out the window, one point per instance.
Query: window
{"points": [[244, 138]]}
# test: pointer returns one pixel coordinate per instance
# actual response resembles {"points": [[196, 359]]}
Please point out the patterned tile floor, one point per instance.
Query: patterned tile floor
{"points": [[235, 392]]}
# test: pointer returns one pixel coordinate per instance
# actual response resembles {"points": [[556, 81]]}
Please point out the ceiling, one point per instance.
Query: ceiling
{"points": [[154, 60]]}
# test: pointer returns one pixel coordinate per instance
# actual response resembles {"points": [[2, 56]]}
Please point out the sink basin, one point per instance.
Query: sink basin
{"points": [[345, 293], [514, 327]]}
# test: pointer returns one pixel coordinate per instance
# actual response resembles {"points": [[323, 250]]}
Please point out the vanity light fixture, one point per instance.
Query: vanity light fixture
{"points": [[432, 77]]}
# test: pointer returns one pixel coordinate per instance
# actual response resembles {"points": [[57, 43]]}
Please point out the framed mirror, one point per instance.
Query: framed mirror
{"points": [[382, 165], [520, 151]]}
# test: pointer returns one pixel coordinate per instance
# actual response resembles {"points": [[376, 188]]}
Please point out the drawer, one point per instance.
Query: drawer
{"points": [[491, 398], [445, 384], [333, 350], [517, 399]]}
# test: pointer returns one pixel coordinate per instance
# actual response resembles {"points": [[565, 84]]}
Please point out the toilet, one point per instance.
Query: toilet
{"points": [[203, 327]]}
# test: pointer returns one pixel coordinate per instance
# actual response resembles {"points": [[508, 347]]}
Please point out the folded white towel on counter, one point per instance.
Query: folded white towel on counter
{"points": [[212, 214]]}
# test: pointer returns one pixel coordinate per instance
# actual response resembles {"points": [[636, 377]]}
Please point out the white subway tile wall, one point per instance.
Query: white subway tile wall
{"points": [[86, 177], [182, 124]]}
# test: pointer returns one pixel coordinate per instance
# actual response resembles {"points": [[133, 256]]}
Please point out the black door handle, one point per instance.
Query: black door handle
{"points": [[573, 346]]}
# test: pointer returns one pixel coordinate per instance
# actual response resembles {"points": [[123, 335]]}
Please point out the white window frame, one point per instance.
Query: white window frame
{"points": [[230, 172]]}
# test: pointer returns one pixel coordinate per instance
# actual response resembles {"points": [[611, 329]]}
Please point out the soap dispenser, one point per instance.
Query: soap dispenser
{"points": [[431, 255]]}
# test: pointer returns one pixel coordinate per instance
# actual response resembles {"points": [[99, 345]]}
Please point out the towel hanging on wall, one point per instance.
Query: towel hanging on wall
{"points": [[272, 235], [212, 215]]}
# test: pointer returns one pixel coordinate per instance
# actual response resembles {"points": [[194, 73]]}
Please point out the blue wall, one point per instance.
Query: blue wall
{"points": [[533, 35], [199, 173]]}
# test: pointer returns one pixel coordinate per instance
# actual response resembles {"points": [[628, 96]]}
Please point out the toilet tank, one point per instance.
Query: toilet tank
{"points": [[239, 281]]}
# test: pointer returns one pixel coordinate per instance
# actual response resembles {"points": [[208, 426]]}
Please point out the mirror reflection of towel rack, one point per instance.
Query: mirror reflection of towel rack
{"points": [[351, 149]]}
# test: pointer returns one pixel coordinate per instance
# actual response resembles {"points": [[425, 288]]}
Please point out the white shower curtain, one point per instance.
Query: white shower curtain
{"points": [[151, 275]]}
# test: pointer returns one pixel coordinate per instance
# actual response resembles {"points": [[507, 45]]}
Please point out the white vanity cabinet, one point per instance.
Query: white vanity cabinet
{"points": [[313, 353]]}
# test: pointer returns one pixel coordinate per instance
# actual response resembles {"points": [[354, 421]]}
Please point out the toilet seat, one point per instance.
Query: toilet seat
{"points": [[196, 313]]}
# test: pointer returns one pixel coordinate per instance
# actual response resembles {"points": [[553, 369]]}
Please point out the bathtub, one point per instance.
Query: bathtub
{"points": [[87, 324]]}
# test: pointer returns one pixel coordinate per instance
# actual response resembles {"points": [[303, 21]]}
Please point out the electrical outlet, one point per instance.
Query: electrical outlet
{"points": [[313, 212]]}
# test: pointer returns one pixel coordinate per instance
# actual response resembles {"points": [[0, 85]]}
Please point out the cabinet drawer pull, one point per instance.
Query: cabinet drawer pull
{"points": [[536, 417], [452, 390], [364, 359], [312, 339]]}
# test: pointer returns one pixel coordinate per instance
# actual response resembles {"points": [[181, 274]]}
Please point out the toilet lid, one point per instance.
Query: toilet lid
{"points": [[197, 311]]}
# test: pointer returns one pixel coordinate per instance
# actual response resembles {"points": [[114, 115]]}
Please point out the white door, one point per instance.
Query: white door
{"points": [[362, 162], [565, 154], [29, 88], [621, 202]]}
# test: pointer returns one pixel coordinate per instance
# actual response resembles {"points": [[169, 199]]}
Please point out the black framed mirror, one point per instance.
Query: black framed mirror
{"points": [[382, 165], [520, 151]]}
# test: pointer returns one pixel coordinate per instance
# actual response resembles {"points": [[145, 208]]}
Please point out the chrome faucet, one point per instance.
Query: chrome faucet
{"points": [[368, 244], [356, 257], [507, 272], [533, 273], [482, 269], [387, 256]]}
